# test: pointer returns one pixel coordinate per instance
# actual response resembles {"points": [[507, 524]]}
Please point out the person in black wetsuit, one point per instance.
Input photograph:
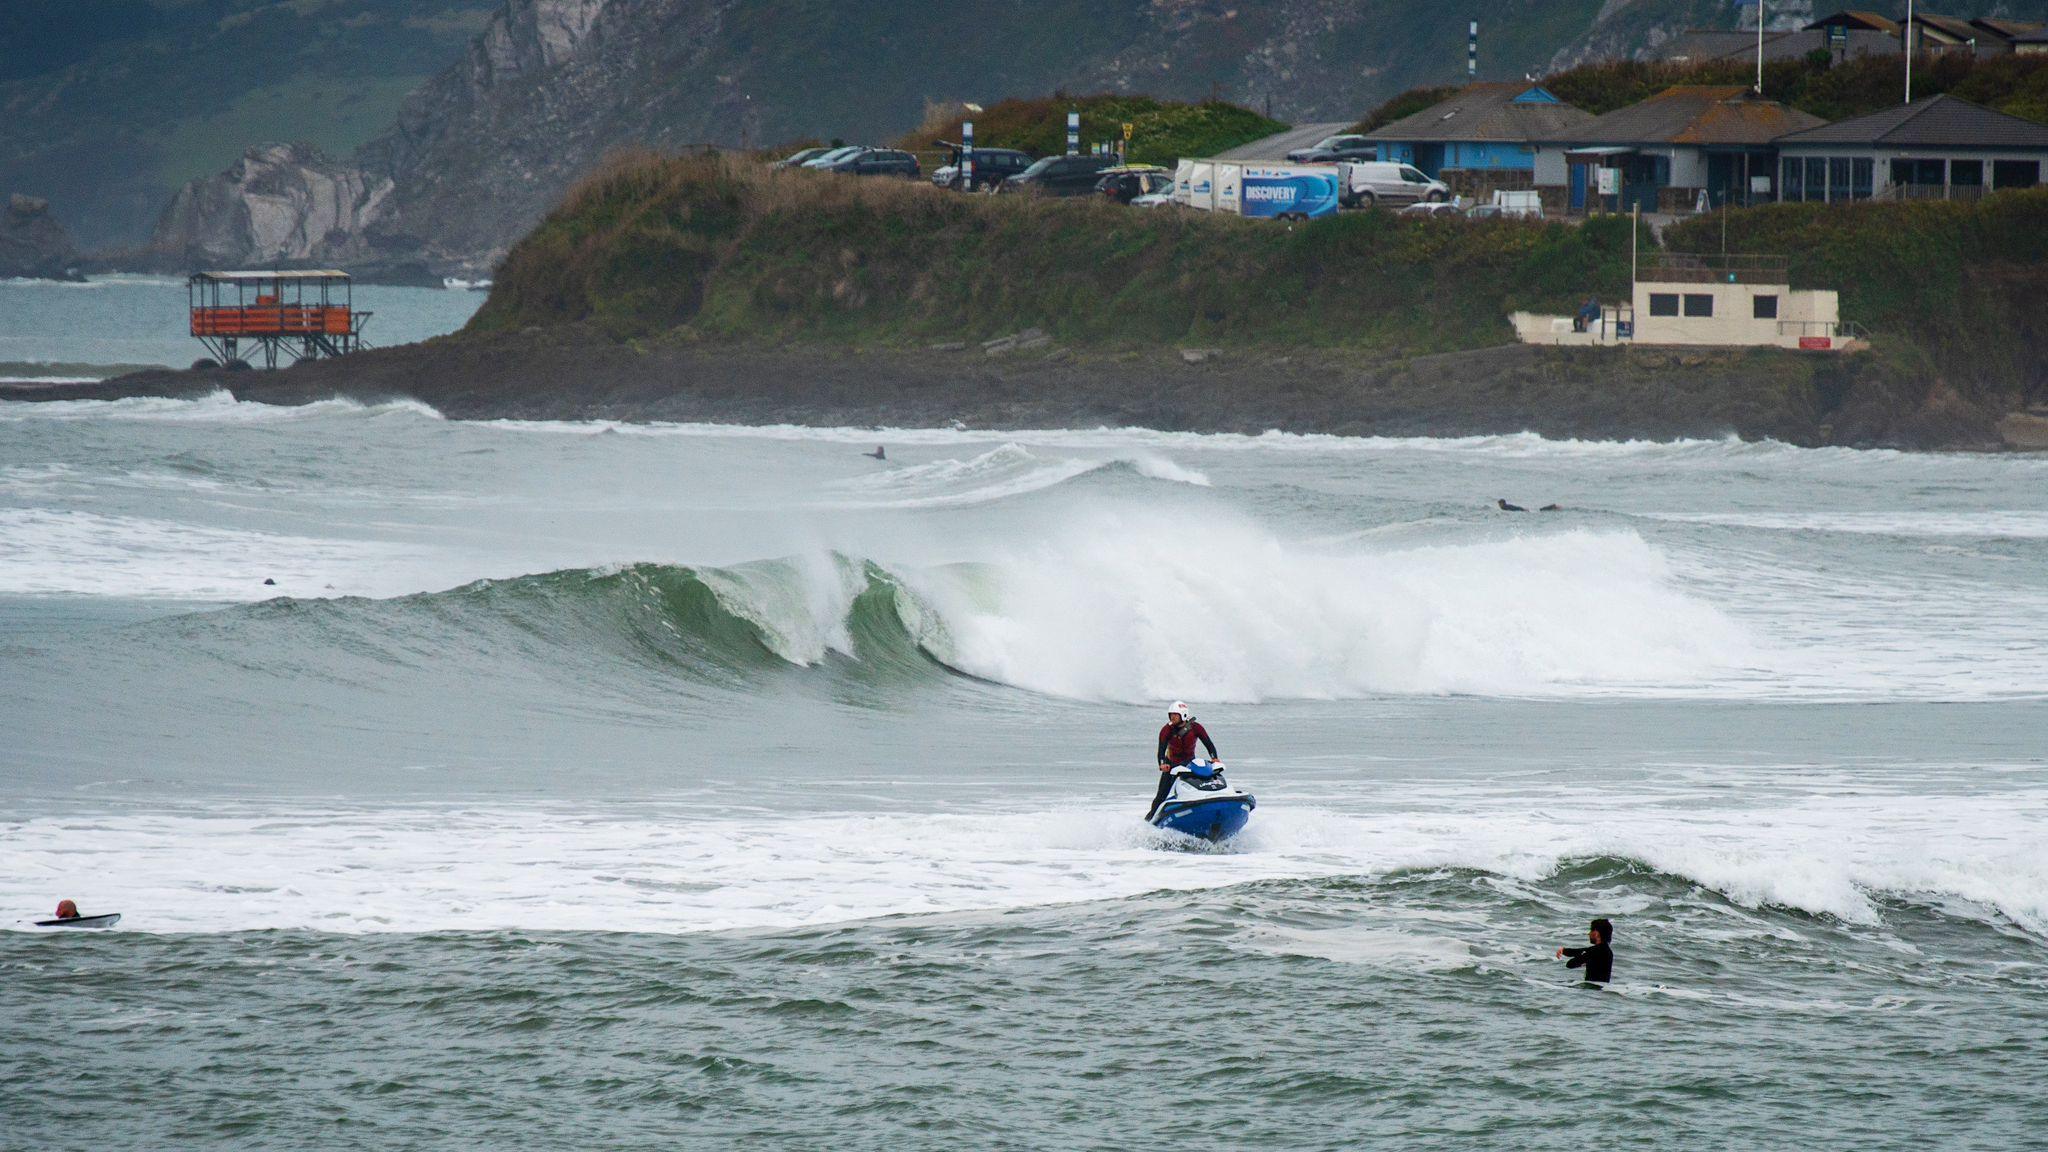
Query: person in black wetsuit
{"points": [[1177, 748], [1597, 960]]}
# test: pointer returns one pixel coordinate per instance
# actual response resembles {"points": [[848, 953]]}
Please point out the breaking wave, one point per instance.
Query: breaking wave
{"points": [[1101, 613]]}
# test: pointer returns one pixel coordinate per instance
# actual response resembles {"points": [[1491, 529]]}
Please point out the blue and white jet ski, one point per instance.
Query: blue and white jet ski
{"points": [[1203, 804]]}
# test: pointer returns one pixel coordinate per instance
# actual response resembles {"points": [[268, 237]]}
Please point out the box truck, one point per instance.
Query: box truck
{"points": [[1258, 188]]}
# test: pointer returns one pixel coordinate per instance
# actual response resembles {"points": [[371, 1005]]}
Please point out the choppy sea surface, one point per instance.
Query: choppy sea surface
{"points": [[574, 785]]}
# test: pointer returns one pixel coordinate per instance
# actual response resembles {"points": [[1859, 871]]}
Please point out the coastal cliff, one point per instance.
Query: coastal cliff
{"points": [[281, 204], [33, 245]]}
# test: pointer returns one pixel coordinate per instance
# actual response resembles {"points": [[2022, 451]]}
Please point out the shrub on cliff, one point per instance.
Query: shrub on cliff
{"points": [[1162, 131]]}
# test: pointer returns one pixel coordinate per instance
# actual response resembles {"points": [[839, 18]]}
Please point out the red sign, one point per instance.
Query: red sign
{"points": [[1816, 343]]}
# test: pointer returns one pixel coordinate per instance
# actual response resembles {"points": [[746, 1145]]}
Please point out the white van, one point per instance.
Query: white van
{"points": [[1370, 182]]}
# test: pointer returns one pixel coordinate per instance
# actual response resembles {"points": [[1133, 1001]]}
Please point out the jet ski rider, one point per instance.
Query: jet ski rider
{"points": [[1177, 748]]}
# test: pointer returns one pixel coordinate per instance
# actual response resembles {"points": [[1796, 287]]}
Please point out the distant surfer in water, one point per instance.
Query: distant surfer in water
{"points": [[877, 454], [1177, 748], [1507, 507], [1597, 960]]}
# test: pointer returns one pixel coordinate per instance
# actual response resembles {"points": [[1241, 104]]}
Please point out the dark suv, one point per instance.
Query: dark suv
{"points": [[877, 162], [992, 166], [1060, 176], [1330, 149]]}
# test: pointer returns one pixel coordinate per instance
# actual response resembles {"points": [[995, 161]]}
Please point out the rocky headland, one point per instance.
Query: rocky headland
{"points": [[33, 245]]}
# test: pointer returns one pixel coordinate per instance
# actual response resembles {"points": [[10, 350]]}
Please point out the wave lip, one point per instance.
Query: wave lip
{"points": [[1005, 471]]}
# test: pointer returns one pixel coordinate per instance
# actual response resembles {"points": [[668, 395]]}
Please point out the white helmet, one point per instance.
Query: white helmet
{"points": [[1180, 708]]}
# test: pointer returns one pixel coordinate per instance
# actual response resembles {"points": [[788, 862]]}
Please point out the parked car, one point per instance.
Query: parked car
{"points": [[799, 158], [876, 162], [1059, 176], [835, 155], [1435, 208], [1367, 183], [1511, 204], [1126, 184], [992, 166], [1331, 149]]}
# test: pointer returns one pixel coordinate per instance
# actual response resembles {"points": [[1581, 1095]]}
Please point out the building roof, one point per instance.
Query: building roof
{"points": [[1855, 18], [2040, 37], [1488, 111], [2007, 29], [274, 274], [1936, 122], [1704, 44], [1701, 114], [1953, 28]]}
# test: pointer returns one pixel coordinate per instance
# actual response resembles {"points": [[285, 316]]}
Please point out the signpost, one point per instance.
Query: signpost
{"points": [[1126, 153], [1073, 133], [967, 155]]}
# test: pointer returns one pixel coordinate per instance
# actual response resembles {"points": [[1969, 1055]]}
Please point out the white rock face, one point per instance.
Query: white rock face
{"points": [[281, 203]]}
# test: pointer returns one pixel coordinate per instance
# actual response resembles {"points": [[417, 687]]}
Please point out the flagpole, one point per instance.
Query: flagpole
{"points": [[1759, 47], [1906, 41]]}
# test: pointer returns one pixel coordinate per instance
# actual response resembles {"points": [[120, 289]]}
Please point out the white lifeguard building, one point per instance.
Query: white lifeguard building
{"points": [[1709, 302]]}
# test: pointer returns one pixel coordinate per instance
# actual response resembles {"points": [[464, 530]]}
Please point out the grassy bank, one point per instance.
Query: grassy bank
{"points": [[715, 249], [1953, 291]]}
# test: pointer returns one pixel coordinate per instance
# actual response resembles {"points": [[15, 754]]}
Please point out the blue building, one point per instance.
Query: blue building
{"points": [[1486, 128]]}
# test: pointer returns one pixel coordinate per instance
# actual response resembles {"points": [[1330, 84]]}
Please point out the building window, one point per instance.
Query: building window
{"points": [[1861, 172], [1793, 186], [1921, 172], [1699, 304], [2015, 173], [1966, 173], [1764, 307], [1816, 178], [1663, 303], [1838, 178]]}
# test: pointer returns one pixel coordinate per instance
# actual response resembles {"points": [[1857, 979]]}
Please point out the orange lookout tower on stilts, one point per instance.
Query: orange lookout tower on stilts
{"points": [[296, 315]]}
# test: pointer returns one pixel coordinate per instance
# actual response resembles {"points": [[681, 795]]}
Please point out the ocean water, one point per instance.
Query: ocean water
{"points": [[62, 332], [583, 784]]}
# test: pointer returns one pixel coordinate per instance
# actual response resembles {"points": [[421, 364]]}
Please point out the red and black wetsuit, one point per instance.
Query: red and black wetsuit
{"points": [[1176, 749], [1177, 742]]}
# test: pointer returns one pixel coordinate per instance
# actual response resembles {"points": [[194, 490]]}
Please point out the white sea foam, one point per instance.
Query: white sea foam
{"points": [[218, 407], [50, 552], [650, 869], [1987, 523], [1126, 607]]}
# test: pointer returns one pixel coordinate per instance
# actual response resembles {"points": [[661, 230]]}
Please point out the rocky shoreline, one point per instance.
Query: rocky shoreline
{"points": [[1660, 394]]}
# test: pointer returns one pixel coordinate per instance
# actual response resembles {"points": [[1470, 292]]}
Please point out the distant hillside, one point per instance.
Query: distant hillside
{"points": [[110, 105], [551, 86]]}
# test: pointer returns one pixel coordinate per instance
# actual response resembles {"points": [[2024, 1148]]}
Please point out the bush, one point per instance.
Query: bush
{"points": [[1162, 131]]}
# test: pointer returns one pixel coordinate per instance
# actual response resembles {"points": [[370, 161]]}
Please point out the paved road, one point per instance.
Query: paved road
{"points": [[1277, 146]]}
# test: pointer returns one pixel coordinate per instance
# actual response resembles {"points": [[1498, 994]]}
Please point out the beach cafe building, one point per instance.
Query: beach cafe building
{"points": [[1937, 148], [1480, 139], [1685, 148]]}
